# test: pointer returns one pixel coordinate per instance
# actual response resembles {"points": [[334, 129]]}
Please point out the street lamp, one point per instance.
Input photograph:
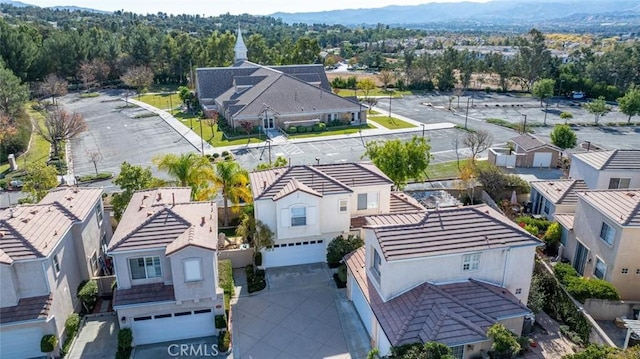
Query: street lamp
{"points": [[524, 127], [422, 124], [546, 109], [466, 116], [389, 104]]}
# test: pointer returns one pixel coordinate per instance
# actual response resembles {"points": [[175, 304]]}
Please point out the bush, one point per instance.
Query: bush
{"points": [[316, 128], [221, 322], [584, 288], [48, 343], [225, 153], [340, 247], [309, 129], [255, 279], [258, 259], [505, 343], [88, 294], [564, 272], [125, 338], [302, 129], [72, 324], [542, 224], [322, 126], [292, 129], [215, 155], [224, 341], [225, 274], [531, 229]]}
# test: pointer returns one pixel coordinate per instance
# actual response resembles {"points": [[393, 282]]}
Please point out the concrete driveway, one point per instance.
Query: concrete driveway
{"points": [[98, 339], [297, 316]]}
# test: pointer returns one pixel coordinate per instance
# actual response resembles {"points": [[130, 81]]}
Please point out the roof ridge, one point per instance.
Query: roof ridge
{"points": [[463, 304], [634, 212], [613, 153], [329, 177], [65, 210], [569, 189], [462, 320], [362, 165], [277, 180], [493, 288], [255, 98], [147, 221], [21, 238]]}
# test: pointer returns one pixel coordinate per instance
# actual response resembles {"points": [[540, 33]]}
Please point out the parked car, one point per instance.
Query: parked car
{"points": [[577, 95]]}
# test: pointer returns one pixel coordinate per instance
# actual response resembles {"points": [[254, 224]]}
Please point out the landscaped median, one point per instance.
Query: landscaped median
{"points": [[390, 123]]}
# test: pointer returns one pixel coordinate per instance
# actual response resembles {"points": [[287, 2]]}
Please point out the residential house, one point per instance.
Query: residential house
{"points": [[46, 251], [615, 169], [531, 151], [307, 206], [444, 275], [555, 196], [602, 240], [165, 258], [272, 97]]}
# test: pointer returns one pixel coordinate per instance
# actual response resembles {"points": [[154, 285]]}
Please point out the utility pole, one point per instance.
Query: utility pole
{"points": [[389, 105], [466, 116], [524, 127], [546, 107]]}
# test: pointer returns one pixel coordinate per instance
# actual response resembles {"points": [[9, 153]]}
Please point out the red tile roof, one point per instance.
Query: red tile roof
{"points": [[147, 293], [33, 308]]}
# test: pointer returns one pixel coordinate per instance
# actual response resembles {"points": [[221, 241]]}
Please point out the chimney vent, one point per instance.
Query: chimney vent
{"points": [[203, 221], [159, 196], [173, 198]]}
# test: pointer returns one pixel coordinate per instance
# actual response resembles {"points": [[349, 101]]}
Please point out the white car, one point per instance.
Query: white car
{"points": [[577, 95]]}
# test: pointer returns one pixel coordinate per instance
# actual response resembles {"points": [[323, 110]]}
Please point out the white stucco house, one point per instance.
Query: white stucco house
{"points": [[555, 196], [444, 275], [615, 169], [165, 259], [46, 251], [307, 206]]}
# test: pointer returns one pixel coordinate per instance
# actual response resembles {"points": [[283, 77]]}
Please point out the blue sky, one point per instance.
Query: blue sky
{"points": [[216, 7]]}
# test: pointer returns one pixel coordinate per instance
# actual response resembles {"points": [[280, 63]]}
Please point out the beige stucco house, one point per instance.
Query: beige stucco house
{"points": [[46, 251], [307, 206], [555, 196], [165, 258], [615, 169], [602, 238], [445, 275]]}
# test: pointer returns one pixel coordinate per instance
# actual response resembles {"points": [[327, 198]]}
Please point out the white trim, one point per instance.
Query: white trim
{"points": [[146, 304]]}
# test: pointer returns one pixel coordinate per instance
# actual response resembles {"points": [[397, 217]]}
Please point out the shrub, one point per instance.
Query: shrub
{"points": [[505, 343], [72, 324], [584, 288], [221, 322], [531, 229], [340, 247], [48, 343], [225, 153], [88, 294], [564, 272], [322, 126], [255, 279], [310, 129], [215, 155], [542, 224], [225, 274], [258, 259], [553, 234], [302, 129], [125, 338], [292, 129], [224, 341]]}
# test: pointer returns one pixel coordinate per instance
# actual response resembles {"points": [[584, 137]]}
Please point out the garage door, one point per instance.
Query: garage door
{"points": [[21, 343], [362, 307], [295, 253], [173, 326], [542, 159]]}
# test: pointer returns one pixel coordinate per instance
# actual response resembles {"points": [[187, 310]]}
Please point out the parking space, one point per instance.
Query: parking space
{"points": [[295, 317], [97, 339]]}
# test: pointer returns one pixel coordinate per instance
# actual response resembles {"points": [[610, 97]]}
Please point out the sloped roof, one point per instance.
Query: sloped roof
{"points": [[529, 142], [453, 314], [446, 231], [32, 231], [304, 72], [611, 160], [621, 206], [355, 174], [294, 185], [562, 191], [403, 203], [32, 308], [269, 183], [153, 220], [565, 219], [146, 293]]}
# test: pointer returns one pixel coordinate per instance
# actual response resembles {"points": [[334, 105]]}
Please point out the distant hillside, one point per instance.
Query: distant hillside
{"points": [[512, 11], [59, 7], [15, 3]]}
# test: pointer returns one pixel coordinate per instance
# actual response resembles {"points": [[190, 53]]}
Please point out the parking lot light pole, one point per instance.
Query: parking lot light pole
{"points": [[524, 126], [466, 116], [422, 124]]}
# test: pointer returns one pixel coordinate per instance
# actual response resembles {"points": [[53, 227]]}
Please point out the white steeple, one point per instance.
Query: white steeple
{"points": [[240, 49]]}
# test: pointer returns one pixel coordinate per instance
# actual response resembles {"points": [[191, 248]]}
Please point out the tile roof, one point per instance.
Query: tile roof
{"points": [[565, 219], [146, 293], [621, 205], [560, 191], [153, 220], [453, 314], [611, 160], [322, 179], [403, 203], [32, 231], [446, 231], [32, 308], [529, 142], [294, 185]]}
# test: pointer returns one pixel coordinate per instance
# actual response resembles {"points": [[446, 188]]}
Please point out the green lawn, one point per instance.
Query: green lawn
{"points": [[341, 131], [39, 150], [164, 88], [391, 123], [212, 136], [443, 170], [162, 101], [374, 92]]}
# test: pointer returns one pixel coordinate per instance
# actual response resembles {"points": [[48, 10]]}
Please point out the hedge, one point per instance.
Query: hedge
{"points": [[48, 343], [340, 247], [71, 326], [542, 224], [564, 272], [226, 280], [125, 338], [220, 322], [585, 288], [88, 294], [292, 129], [224, 341]]}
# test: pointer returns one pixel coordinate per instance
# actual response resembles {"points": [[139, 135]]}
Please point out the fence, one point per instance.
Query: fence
{"points": [[239, 257], [490, 202], [604, 309], [104, 285]]}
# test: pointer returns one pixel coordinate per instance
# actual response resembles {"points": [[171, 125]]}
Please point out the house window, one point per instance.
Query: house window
{"points": [[298, 216], [601, 268], [607, 233], [192, 270], [619, 183], [471, 262], [625, 271], [377, 262], [145, 267], [367, 200], [342, 206], [56, 264], [547, 207], [99, 213], [93, 261], [457, 351], [563, 236]]}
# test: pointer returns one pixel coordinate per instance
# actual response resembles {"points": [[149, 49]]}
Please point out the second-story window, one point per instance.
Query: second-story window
{"points": [[342, 206], [619, 183], [192, 270], [367, 200], [298, 216], [56, 264], [99, 213], [607, 233], [601, 269], [375, 266], [471, 262], [145, 267]]}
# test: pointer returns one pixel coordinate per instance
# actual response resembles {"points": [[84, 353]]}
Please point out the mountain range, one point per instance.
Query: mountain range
{"points": [[501, 11], [60, 7]]}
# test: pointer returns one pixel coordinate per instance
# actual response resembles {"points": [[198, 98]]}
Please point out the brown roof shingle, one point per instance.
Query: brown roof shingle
{"points": [[32, 308], [529, 142], [446, 231], [146, 293]]}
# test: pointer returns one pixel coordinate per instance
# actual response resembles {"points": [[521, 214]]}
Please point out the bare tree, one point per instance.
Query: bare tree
{"points": [[138, 77], [54, 86], [60, 124], [386, 77], [477, 141], [95, 157], [93, 73]]}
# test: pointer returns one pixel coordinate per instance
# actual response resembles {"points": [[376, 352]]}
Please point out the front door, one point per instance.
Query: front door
{"points": [[580, 258], [267, 122]]}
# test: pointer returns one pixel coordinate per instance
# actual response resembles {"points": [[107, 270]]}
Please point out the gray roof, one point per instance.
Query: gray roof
{"points": [[446, 231], [562, 191], [453, 314], [529, 142], [146, 293], [312, 72], [611, 160], [321, 179], [622, 205], [33, 308]]}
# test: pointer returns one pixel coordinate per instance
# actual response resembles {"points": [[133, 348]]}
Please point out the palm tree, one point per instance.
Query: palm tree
{"points": [[234, 182], [189, 170]]}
